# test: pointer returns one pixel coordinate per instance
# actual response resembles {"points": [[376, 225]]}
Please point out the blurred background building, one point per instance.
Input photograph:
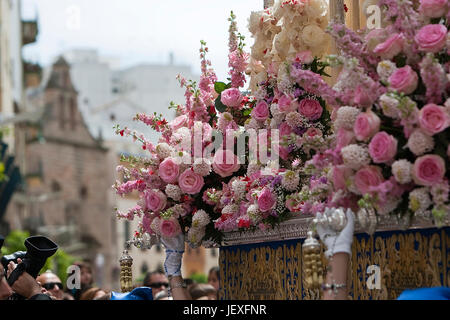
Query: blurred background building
{"points": [[61, 149]]}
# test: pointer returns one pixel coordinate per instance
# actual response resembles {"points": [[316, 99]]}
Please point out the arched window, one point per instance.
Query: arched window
{"points": [[73, 114], [55, 186], [62, 114], [83, 192]]}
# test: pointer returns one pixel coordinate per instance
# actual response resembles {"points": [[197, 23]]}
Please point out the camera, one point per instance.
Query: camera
{"points": [[39, 249]]}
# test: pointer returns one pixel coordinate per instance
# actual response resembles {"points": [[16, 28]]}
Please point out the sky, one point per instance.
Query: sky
{"points": [[137, 31]]}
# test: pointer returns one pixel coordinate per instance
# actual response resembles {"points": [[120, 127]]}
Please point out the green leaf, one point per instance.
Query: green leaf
{"points": [[219, 105], [247, 112], [220, 86]]}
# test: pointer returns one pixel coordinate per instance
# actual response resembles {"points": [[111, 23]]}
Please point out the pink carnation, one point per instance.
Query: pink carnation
{"points": [[367, 124], [433, 8], [266, 200], [383, 147], [178, 122], [155, 200], [304, 57], [404, 80], [431, 38], [340, 174], [310, 109], [169, 170], [433, 119], [225, 163], [285, 104], [368, 177], [428, 170], [391, 47], [285, 129], [190, 182], [261, 111], [292, 205], [169, 228], [231, 97], [344, 138]]}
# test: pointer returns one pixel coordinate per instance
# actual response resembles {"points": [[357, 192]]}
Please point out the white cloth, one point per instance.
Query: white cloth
{"points": [[338, 242], [174, 254]]}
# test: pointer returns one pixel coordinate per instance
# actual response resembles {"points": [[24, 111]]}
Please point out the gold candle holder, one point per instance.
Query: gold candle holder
{"points": [[126, 273], [312, 262]]}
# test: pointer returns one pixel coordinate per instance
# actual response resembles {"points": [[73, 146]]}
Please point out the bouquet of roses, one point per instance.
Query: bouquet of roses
{"points": [[391, 151]]}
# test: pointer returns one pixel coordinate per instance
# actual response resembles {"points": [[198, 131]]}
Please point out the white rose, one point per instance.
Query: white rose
{"points": [[313, 36]]}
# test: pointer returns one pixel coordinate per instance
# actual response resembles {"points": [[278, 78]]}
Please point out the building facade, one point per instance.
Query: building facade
{"points": [[66, 180], [143, 88]]}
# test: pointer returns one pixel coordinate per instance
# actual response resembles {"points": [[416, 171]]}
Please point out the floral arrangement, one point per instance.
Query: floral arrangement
{"points": [[194, 181], [383, 149], [390, 153]]}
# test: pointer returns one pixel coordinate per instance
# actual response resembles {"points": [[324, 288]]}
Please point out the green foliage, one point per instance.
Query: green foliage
{"points": [[2, 172], [199, 277], [58, 263], [15, 242], [220, 86], [219, 105]]}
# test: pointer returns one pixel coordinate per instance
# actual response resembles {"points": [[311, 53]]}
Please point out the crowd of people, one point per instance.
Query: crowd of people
{"points": [[48, 286], [170, 285]]}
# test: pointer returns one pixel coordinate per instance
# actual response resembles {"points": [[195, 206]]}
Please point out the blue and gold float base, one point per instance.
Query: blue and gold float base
{"points": [[382, 265]]}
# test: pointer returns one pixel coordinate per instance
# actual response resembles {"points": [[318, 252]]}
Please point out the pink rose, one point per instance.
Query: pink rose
{"points": [[404, 80], [344, 138], [428, 170], [285, 104], [169, 228], [433, 8], [310, 109], [367, 177], [431, 38], [433, 119], [225, 163], [231, 97], [169, 170], [383, 147], [266, 200], [178, 122], [391, 47], [367, 124], [155, 200], [304, 57], [285, 130], [261, 111], [190, 182]]}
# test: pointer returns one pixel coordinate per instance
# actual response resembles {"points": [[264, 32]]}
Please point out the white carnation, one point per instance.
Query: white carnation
{"points": [[420, 143], [402, 171], [385, 69], [202, 166], [389, 105], [419, 200], [163, 150], [346, 117], [355, 156], [173, 191], [200, 219]]}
